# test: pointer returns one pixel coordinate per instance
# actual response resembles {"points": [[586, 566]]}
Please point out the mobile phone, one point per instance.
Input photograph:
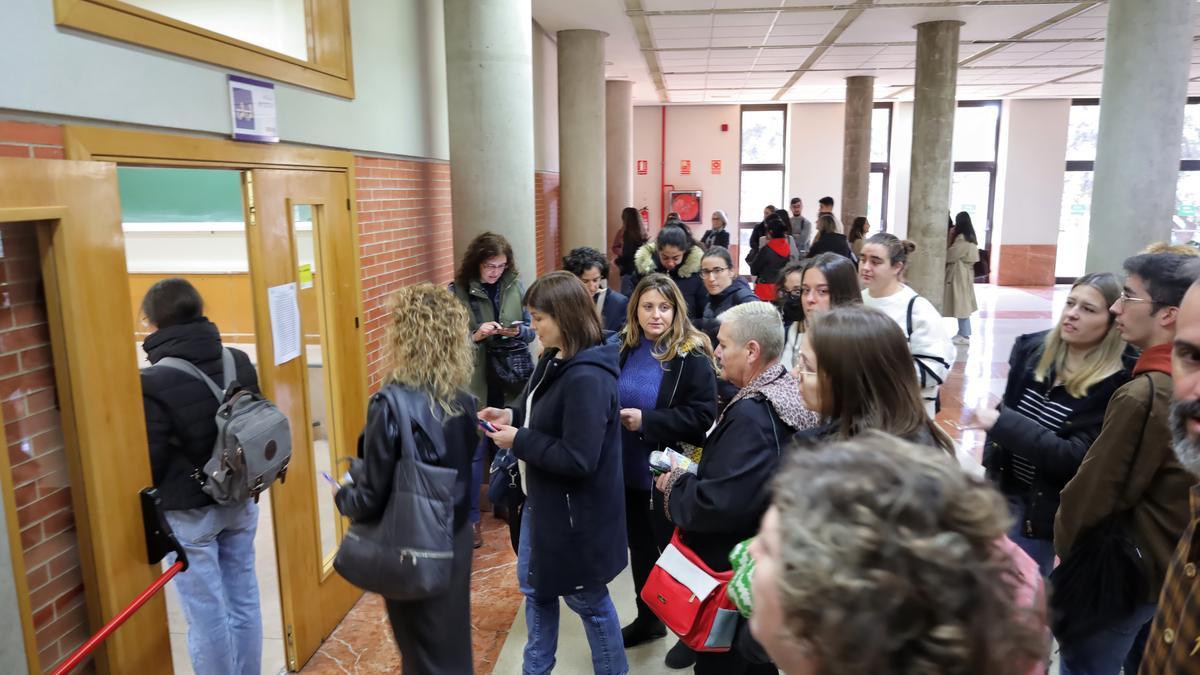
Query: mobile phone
{"points": [[326, 476], [487, 426], [516, 323]]}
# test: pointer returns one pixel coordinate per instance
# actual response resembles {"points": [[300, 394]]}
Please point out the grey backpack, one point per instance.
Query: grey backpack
{"points": [[254, 439]]}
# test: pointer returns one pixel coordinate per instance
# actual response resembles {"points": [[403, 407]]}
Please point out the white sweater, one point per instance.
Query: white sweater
{"points": [[931, 347]]}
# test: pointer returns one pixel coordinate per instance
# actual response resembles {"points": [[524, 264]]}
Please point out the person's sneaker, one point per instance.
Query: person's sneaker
{"points": [[641, 631], [680, 656], [478, 535], [961, 340]]}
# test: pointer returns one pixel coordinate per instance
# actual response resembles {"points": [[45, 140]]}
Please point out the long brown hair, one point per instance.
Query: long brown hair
{"points": [[680, 336], [632, 235], [562, 296], [486, 245], [867, 378]]}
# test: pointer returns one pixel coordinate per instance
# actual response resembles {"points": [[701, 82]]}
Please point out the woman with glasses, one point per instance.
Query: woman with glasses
{"points": [[487, 284], [809, 287], [1059, 385], [725, 289]]}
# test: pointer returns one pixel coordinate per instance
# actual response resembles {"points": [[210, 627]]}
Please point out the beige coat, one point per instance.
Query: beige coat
{"points": [[960, 279]]}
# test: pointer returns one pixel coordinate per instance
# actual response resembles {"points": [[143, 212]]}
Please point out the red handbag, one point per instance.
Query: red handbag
{"points": [[690, 598]]}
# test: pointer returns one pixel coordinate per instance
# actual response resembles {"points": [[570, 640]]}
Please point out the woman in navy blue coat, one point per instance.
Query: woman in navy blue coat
{"points": [[565, 430]]}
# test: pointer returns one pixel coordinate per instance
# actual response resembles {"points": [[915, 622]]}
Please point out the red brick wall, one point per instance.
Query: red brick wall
{"points": [[32, 426], [404, 231], [549, 246]]}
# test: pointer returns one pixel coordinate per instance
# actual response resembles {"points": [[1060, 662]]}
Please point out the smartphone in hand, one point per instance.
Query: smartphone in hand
{"points": [[487, 426]]}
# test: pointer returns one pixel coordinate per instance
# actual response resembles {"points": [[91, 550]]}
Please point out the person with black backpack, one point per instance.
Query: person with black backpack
{"points": [[487, 284], [219, 590]]}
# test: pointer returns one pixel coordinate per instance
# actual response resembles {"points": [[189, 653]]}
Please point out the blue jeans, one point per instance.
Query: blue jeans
{"points": [[477, 462], [594, 606], [964, 327], [1104, 652], [219, 591], [1041, 550]]}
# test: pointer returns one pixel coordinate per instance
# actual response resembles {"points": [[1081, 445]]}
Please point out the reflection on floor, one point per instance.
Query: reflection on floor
{"points": [[363, 642]]}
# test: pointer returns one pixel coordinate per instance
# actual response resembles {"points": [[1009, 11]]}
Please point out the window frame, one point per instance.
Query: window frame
{"points": [[329, 68], [781, 167], [991, 168], [884, 168]]}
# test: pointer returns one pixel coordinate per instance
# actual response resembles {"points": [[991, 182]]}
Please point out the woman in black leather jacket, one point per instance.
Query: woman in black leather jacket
{"points": [[434, 635]]}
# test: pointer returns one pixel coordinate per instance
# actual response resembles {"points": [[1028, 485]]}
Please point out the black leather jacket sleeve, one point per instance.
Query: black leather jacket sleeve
{"points": [[366, 497]]}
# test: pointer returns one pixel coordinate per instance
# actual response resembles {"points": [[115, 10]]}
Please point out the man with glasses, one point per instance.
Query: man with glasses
{"points": [[1130, 469]]}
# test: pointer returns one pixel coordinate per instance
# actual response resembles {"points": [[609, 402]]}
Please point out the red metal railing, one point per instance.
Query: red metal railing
{"points": [[90, 646]]}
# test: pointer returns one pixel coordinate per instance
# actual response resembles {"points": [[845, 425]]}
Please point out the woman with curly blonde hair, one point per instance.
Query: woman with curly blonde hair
{"points": [[668, 390], [434, 634], [878, 557]]}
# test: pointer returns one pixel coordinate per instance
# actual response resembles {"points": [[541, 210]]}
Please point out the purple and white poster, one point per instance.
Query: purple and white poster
{"points": [[252, 106]]}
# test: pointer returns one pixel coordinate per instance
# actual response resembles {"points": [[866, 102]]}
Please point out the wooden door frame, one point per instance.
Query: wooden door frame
{"points": [[137, 148], [74, 209]]}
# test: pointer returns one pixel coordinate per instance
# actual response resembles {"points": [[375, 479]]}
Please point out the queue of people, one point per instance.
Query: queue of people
{"points": [[788, 448]]}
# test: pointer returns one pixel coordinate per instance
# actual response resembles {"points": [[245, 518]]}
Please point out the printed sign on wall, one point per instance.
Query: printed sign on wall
{"points": [[643, 167], [252, 107], [685, 167], [716, 167]]}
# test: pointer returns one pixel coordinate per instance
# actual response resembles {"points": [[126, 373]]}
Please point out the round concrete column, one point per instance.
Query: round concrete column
{"points": [[489, 78], [618, 123], [581, 134], [930, 172], [1147, 50], [856, 150]]}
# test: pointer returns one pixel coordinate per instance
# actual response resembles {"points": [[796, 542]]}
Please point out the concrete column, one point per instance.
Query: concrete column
{"points": [[581, 134], [618, 124], [1147, 50], [856, 152], [489, 78], [931, 168]]}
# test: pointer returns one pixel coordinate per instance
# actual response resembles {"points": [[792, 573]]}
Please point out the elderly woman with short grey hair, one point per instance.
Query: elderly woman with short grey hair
{"points": [[719, 234], [724, 501]]}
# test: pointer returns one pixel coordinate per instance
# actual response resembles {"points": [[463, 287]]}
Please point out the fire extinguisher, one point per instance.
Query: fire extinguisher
{"points": [[645, 214]]}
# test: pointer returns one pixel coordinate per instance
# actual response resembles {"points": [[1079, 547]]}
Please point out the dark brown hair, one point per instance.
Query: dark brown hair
{"points": [[562, 296], [856, 229], [486, 245], [632, 235], [897, 248], [867, 377]]}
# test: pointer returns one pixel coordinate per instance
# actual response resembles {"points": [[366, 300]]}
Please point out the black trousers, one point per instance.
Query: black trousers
{"points": [[649, 532], [434, 635], [746, 657]]}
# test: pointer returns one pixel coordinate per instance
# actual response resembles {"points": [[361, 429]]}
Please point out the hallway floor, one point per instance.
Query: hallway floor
{"points": [[363, 642]]}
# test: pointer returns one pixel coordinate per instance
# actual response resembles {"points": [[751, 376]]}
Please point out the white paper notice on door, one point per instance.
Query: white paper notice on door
{"points": [[285, 322]]}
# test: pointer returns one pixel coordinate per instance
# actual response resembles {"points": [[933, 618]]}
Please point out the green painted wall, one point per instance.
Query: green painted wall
{"points": [[155, 195]]}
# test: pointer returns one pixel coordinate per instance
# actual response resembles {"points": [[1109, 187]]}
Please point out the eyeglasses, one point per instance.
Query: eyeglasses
{"points": [[1130, 298], [714, 272], [495, 266]]}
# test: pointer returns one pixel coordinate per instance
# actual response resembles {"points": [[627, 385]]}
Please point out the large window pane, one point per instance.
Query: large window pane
{"points": [[880, 125], [975, 133], [1191, 132], [1073, 224], [1083, 127], [1187, 207], [762, 136], [278, 25], [970, 192], [759, 188], [874, 202]]}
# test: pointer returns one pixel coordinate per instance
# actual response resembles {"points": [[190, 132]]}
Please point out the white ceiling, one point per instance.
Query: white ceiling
{"points": [[755, 51]]}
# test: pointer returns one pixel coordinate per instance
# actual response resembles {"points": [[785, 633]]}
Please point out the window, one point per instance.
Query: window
{"points": [[303, 42], [881, 166], [1074, 223], [976, 144], [762, 169]]}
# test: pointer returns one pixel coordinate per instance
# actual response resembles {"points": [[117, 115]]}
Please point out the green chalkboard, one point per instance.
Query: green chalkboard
{"points": [[154, 195]]}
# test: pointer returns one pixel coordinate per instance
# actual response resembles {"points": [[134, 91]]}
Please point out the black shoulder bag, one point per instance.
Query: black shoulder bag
{"points": [[1101, 579], [508, 358]]}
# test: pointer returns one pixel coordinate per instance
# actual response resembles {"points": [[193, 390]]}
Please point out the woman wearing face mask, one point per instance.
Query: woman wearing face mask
{"points": [[880, 269], [565, 429], [674, 253], [809, 287], [718, 235], [725, 289], [668, 389], [1059, 384], [855, 370]]}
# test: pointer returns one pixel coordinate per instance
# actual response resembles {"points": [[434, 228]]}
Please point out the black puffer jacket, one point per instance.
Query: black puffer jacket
{"points": [[180, 408], [737, 293]]}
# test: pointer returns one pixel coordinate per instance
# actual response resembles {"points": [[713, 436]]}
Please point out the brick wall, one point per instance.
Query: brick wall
{"points": [[549, 246], [32, 425], [404, 230]]}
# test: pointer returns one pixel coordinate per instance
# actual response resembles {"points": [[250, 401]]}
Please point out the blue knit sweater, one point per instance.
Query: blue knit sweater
{"points": [[638, 387]]}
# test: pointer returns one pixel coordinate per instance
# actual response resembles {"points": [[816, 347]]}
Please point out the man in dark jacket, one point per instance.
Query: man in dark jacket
{"points": [[592, 268], [723, 503], [1130, 468], [219, 591]]}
